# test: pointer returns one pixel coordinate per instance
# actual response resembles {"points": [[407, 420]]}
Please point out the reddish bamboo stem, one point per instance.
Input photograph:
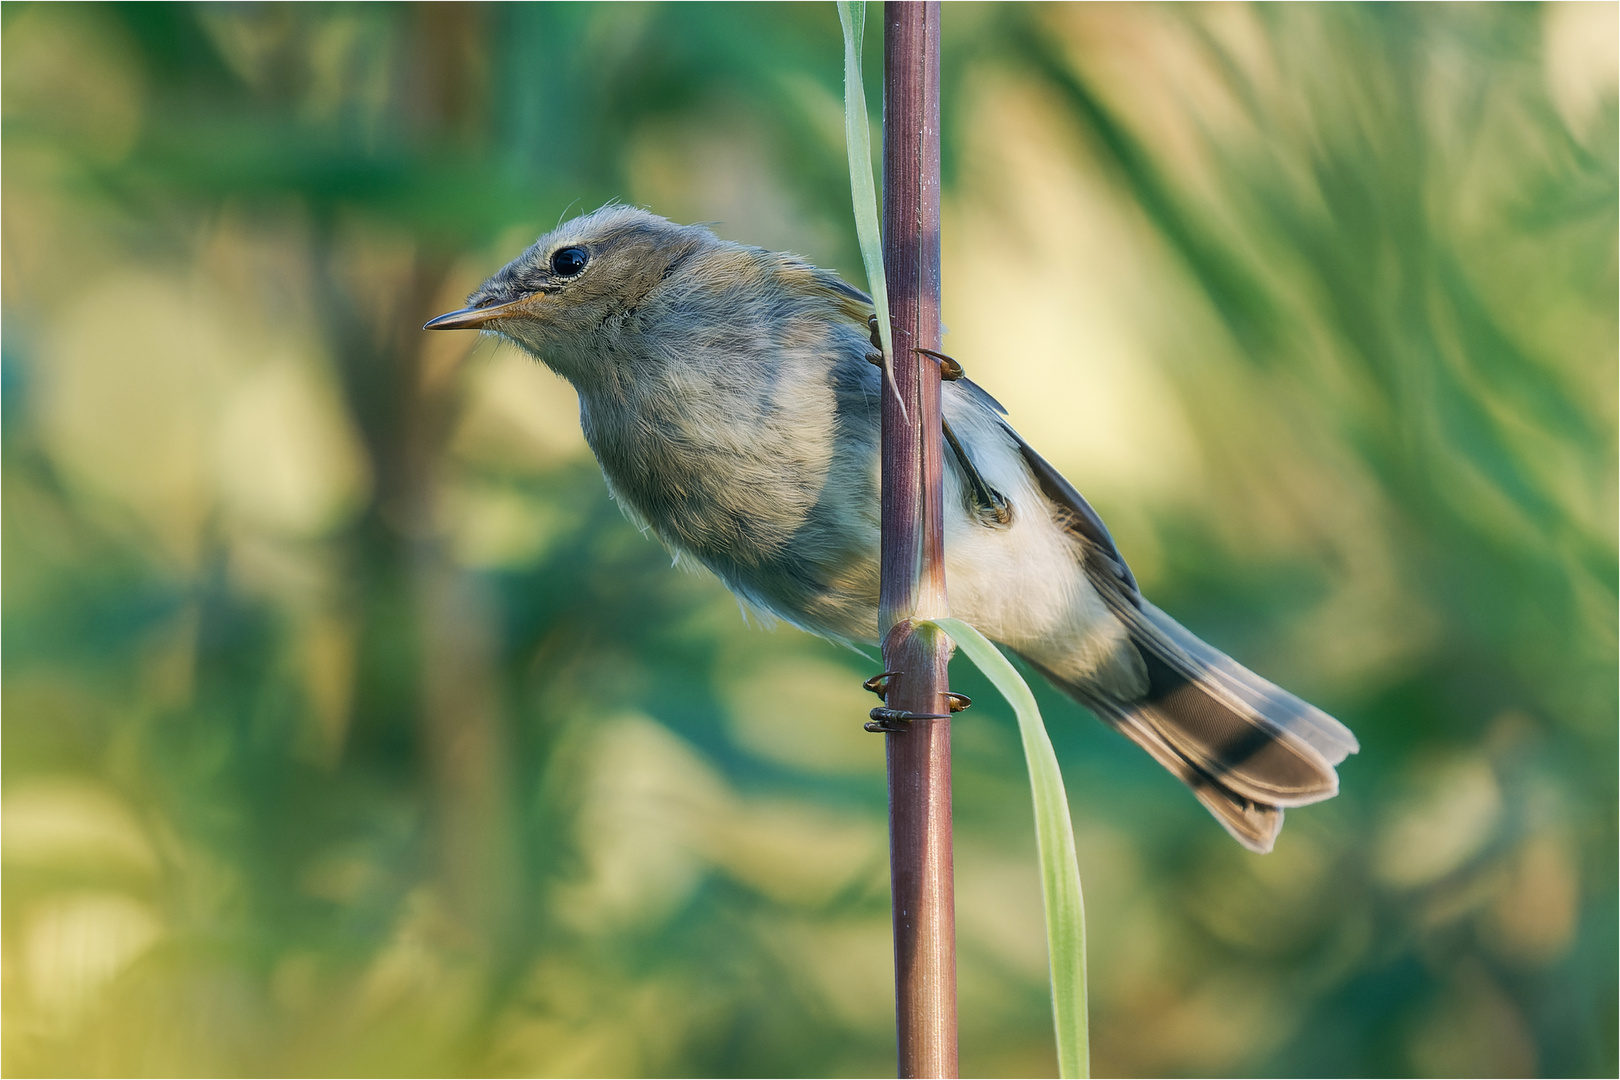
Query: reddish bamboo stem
{"points": [[913, 552]]}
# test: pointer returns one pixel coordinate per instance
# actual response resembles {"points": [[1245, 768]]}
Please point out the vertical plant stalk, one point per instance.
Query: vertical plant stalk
{"points": [[913, 584]]}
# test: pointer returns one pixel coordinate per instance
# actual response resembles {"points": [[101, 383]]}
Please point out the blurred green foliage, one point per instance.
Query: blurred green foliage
{"points": [[349, 729]]}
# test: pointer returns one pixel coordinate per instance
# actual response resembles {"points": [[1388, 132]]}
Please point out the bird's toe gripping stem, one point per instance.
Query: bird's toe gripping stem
{"points": [[879, 684], [949, 369], [886, 719]]}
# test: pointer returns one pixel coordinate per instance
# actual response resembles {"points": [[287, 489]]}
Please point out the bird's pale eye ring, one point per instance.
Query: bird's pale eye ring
{"points": [[568, 261]]}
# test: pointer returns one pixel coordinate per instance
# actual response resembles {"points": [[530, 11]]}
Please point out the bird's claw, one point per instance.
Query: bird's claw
{"points": [[879, 683], [949, 369], [887, 719], [898, 719]]}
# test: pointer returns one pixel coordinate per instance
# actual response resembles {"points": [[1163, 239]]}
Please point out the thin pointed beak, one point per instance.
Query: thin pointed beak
{"points": [[474, 317]]}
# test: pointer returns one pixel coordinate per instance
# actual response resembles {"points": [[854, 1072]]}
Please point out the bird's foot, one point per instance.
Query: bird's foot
{"points": [[883, 719], [949, 369], [886, 719]]}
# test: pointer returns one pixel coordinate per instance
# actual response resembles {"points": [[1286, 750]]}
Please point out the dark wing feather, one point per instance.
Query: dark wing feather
{"points": [[1103, 559], [1246, 747]]}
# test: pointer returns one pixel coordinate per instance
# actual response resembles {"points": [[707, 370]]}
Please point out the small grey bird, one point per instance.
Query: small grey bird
{"points": [[727, 393]]}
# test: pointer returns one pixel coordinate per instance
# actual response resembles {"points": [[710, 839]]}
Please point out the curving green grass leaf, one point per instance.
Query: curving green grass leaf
{"points": [[858, 138], [1054, 838]]}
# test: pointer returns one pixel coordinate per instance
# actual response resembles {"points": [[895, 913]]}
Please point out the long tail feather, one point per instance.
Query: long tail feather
{"points": [[1331, 739], [1253, 824], [1245, 747]]}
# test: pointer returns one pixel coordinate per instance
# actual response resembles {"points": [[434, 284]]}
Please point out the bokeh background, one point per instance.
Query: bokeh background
{"points": [[350, 729]]}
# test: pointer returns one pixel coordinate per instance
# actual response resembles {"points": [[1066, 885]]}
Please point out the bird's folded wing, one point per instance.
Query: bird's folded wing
{"points": [[1104, 563], [1178, 654]]}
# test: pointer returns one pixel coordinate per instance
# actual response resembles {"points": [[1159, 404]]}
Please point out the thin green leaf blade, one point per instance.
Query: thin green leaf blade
{"points": [[863, 189], [1054, 838]]}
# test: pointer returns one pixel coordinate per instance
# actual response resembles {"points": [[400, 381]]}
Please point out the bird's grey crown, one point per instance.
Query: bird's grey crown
{"points": [[602, 230]]}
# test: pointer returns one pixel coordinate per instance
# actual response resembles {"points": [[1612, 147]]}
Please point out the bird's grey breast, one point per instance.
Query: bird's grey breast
{"points": [[744, 435]]}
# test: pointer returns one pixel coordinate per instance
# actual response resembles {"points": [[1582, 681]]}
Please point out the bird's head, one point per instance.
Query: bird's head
{"points": [[575, 282]]}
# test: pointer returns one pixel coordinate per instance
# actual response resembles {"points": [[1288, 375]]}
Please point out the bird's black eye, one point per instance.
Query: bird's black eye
{"points": [[568, 261]]}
